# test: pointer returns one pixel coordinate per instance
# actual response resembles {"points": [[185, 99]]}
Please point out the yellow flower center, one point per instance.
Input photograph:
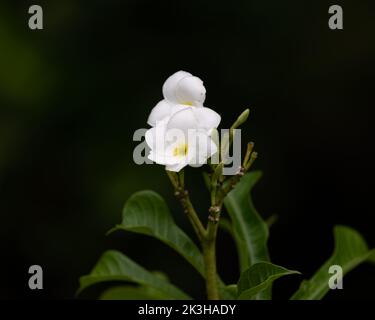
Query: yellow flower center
{"points": [[181, 150], [188, 103]]}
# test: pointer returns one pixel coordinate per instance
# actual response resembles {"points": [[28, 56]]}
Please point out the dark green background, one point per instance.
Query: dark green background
{"points": [[72, 95]]}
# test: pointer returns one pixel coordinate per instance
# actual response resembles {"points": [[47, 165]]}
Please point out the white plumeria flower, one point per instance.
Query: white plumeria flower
{"points": [[184, 139], [184, 88], [181, 90], [181, 124]]}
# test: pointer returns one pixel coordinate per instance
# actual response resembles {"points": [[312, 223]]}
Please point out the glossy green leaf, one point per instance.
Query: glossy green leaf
{"points": [[115, 266], [131, 293], [232, 291], [350, 251], [147, 213], [258, 278], [249, 229]]}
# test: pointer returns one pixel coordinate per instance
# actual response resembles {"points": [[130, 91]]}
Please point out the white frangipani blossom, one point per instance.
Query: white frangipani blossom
{"points": [[181, 89], [181, 133], [176, 147], [184, 88]]}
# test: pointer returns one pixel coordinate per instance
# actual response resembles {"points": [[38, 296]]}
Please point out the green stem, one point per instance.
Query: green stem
{"points": [[178, 182], [181, 177], [193, 217], [207, 237], [209, 245], [209, 255]]}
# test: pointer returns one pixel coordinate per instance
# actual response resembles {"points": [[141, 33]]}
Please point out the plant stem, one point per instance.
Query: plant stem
{"points": [[209, 255], [193, 217], [177, 181], [209, 245], [181, 178]]}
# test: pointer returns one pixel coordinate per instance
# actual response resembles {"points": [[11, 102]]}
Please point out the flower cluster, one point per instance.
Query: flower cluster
{"points": [[181, 125]]}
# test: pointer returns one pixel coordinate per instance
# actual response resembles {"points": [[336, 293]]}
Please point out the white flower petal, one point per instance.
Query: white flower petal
{"points": [[170, 85], [177, 167], [191, 91], [178, 107], [162, 159], [201, 147], [195, 118], [160, 112], [163, 143], [207, 118], [183, 120], [155, 137]]}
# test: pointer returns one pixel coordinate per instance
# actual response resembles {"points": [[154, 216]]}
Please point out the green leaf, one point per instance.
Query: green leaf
{"points": [[115, 266], [250, 231], [232, 291], [147, 213], [131, 293], [258, 278], [350, 251]]}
